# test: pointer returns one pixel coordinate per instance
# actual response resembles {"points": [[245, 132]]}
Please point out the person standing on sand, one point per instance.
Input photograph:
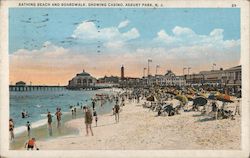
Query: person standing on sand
{"points": [[88, 121], [237, 108], [75, 111], [95, 115], [215, 109], [117, 110], [11, 129], [93, 104], [123, 101], [117, 100], [28, 128], [49, 116], [58, 117]]}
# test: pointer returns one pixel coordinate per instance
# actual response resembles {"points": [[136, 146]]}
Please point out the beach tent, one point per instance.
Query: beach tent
{"points": [[200, 101]]}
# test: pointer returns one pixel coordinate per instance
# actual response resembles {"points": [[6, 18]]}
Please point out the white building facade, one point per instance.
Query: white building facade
{"points": [[82, 80], [169, 79]]}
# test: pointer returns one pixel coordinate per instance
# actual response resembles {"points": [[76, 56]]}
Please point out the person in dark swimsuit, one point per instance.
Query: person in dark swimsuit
{"points": [[49, 116], [28, 128], [95, 115], [117, 110], [11, 129]]}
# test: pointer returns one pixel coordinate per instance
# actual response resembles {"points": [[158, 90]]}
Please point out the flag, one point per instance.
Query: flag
{"points": [[149, 60]]}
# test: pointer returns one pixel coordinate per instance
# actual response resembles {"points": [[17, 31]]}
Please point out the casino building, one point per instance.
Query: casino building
{"points": [[82, 80]]}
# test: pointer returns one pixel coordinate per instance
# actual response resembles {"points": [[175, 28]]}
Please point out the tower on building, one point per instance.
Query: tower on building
{"points": [[122, 72]]}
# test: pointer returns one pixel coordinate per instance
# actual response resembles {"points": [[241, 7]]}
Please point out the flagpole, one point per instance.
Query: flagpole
{"points": [[184, 71], [156, 68], [148, 67], [144, 71], [149, 60]]}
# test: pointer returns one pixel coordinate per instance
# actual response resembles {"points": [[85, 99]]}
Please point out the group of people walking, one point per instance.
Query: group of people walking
{"points": [[58, 115], [89, 114]]}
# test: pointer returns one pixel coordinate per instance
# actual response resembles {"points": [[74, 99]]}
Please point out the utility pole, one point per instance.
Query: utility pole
{"points": [[144, 69], [184, 70], [189, 69], [213, 66], [156, 68], [188, 73]]}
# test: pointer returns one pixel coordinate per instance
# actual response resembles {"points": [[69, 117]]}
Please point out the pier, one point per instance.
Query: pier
{"points": [[36, 88]]}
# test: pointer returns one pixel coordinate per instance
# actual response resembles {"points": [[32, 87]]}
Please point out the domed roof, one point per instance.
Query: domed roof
{"points": [[83, 74]]}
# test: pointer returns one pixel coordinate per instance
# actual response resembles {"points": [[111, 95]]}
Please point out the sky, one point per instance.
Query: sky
{"points": [[50, 45]]}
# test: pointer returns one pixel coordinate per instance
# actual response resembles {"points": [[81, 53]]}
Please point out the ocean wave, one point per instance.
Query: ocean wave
{"points": [[36, 124], [43, 115], [38, 106]]}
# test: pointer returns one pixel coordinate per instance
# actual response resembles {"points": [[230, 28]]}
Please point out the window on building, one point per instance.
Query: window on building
{"points": [[84, 81], [90, 80], [79, 81]]}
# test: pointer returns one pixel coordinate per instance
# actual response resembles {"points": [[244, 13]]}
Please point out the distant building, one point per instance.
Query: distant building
{"points": [[20, 83], [131, 82], [169, 79], [82, 80], [232, 76], [228, 77], [213, 77], [106, 79]]}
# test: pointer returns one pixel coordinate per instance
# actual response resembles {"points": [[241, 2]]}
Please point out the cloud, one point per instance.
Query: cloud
{"points": [[163, 36], [87, 31], [181, 47], [114, 44], [123, 24], [186, 37], [54, 64]]}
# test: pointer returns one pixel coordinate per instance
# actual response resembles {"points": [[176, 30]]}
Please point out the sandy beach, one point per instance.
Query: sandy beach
{"points": [[140, 129]]}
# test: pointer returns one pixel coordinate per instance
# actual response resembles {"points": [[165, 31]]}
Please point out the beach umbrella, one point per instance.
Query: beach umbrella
{"points": [[173, 92], [203, 94], [182, 98], [190, 97], [151, 98], [168, 108], [211, 97], [224, 98], [200, 101]]}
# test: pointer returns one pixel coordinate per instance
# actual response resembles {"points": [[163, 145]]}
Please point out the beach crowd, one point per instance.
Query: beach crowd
{"points": [[167, 101]]}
